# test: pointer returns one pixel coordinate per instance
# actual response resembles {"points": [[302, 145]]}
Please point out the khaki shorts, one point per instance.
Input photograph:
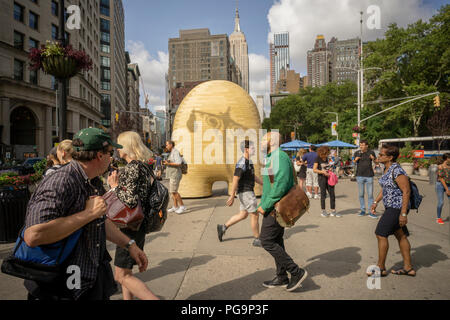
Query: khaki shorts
{"points": [[312, 178], [248, 201], [174, 183]]}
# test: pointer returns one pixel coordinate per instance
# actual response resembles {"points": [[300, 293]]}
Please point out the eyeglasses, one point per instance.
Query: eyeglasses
{"points": [[381, 155], [111, 152]]}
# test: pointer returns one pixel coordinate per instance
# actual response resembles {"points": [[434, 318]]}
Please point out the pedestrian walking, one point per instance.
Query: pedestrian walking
{"points": [[173, 173], [132, 185], [70, 200], [301, 174], [158, 166], [311, 177], [52, 162], [277, 183], [442, 185], [64, 151], [243, 184], [364, 176], [323, 168], [395, 194]]}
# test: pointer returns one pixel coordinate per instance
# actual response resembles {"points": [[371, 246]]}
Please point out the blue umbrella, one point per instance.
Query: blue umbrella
{"points": [[295, 144], [337, 144]]}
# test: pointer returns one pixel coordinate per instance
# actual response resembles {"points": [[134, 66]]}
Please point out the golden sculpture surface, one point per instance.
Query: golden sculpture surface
{"points": [[209, 127]]}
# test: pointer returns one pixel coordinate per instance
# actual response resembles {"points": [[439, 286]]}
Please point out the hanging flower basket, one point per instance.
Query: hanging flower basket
{"points": [[359, 129], [60, 67], [62, 62]]}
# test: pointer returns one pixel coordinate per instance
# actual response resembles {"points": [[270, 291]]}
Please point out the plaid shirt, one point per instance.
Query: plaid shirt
{"points": [[65, 193]]}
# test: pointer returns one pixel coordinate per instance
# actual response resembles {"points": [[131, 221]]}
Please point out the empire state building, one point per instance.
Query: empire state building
{"points": [[239, 52]]}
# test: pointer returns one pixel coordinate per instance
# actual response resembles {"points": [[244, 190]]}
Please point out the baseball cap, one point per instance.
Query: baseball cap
{"points": [[94, 139]]}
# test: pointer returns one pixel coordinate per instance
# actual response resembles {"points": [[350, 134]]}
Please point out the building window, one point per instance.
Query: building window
{"points": [[54, 32], [104, 25], [18, 69], [105, 48], [34, 20], [34, 77], [55, 7], [106, 74], [106, 85], [19, 12], [104, 7], [33, 43], [18, 40], [105, 61], [105, 38]]}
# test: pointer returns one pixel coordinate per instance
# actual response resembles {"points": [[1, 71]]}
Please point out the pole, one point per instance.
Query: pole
{"points": [[361, 67], [62, 83]]}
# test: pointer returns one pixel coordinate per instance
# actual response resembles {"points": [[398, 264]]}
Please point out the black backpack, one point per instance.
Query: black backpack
{"points": [[415, 198], [158, 200]]}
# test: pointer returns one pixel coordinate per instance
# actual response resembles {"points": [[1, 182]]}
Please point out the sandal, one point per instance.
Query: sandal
{"points": [[403, 272], [383, 273]]}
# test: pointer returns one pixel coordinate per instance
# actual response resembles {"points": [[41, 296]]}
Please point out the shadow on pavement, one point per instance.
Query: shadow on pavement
{"points": [[424, 257], [290, 232], [349, 211], [335, 264], [246, 287], [172, 266]]}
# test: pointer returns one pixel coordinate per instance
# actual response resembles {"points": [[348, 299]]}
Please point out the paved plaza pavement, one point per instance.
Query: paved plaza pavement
{"points": [[187, 261]]}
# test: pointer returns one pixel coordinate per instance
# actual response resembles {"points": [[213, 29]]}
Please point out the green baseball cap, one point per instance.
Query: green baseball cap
{"points": [[94, 139]]}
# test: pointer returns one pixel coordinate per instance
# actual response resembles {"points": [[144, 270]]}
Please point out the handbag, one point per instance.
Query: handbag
{"points": [[292, 206], [332, 178], [121, 215], [41, 264]]}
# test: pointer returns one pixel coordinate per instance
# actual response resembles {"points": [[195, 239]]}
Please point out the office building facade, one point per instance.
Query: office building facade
{"points": [[239, 53], [279, 57]]}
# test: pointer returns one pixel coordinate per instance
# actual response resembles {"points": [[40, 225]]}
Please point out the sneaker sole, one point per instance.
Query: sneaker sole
{"points": [[280, 286], [298, 284]]}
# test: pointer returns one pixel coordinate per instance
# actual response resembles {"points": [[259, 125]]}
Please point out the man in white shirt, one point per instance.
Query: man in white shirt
{"points": [[173, 173]]}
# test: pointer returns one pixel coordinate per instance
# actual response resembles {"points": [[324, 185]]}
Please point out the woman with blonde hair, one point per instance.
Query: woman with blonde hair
{"points": [[64, 152], [132, 186]]}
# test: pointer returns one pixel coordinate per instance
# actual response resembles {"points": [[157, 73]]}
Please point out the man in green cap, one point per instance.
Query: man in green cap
{"points": [[69, 200]]}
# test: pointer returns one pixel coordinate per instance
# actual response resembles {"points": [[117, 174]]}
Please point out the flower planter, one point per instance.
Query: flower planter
{"points": [[60, 67], [423, 172], [408, 167], [13, 207]]}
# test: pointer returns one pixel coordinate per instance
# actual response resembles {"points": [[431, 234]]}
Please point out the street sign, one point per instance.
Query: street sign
{"points": [[292, 135], [334, 129], [418, 153]]}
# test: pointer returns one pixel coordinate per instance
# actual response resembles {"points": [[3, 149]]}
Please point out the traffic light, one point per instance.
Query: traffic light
{"points": [[117, 117], [437, 102]]}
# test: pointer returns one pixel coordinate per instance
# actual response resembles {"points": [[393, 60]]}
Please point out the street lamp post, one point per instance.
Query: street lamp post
{"points": [[62, 83]]}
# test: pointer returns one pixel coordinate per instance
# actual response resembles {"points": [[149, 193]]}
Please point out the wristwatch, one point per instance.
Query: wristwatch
{"points": [[129, 244], [404, 215]]}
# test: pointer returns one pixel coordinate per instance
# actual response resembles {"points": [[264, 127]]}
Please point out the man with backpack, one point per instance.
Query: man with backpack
{"points": [[70, 200]]}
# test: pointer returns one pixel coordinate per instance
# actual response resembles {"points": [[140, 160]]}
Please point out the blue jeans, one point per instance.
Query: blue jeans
{"points": [[440, 191], [365, 181]]}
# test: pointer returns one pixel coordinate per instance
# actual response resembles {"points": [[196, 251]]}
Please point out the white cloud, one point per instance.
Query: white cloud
{"points": [[305, 19], [153, 70]]}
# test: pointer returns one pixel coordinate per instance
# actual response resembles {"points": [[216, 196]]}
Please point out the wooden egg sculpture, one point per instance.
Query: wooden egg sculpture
{"points": [[209, 127]]}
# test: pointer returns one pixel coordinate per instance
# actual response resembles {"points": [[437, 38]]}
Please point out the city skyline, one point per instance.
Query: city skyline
{"points": [[259, 19]]}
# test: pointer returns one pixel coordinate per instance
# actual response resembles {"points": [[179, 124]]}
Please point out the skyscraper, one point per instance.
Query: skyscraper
{"points": [[345, 60], [318, 61], [279, 57], [239, 52]]}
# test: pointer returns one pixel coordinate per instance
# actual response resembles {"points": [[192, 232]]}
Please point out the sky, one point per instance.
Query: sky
{"points": [[150, 23]]}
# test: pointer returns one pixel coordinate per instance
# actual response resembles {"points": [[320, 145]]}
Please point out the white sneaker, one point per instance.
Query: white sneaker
{"points": [[335, 214], [181, 210], [309, 195], [324, 214], [173, 209], [316, 196]]}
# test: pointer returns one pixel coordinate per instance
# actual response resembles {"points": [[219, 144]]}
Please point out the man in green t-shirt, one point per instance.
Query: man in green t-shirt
{"points": [[279, 169]]}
